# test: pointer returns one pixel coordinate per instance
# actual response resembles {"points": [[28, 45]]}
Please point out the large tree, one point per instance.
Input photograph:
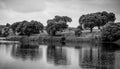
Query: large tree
{"points": [[88, 21], [58, 23], [96, 19], [28, 28]]}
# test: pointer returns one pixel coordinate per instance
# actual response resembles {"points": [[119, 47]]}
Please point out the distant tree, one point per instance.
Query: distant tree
{"points": [[58, 23], [78, 32], [28, 28], [62, 18], [6, 32], [96, 19], [79, 27], [111, 17], [101, 18], [14, 26], [7, 25], [111, 32], [52, 28], [88, 21]]}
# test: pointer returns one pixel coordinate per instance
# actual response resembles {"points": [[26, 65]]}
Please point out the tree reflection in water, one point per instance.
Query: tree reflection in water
{"points": [[99, 57], [27, 52], [56, 55]]}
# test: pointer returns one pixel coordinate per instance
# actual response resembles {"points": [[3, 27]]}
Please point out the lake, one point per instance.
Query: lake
{"points": [[59, 56]]}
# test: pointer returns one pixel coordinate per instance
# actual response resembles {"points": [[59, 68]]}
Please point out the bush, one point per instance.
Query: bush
{"points": [[111, 32], [78, 32]]}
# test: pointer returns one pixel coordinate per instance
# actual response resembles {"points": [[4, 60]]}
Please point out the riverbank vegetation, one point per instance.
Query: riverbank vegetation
{"points": [[111, 32], [58, 27]]}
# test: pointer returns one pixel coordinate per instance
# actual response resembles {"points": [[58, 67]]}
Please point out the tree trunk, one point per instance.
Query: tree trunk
{"points": [[91, 29], [98, 27], [52, 33]]}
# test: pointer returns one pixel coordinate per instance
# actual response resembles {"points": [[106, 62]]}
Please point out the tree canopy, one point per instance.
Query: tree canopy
{"points": [[7, 25], [96, 19], [27, 28], [58, 23], [111, 32]]}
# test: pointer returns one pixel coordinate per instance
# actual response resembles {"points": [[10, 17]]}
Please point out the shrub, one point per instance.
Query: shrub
{"points": [[111, 32]]}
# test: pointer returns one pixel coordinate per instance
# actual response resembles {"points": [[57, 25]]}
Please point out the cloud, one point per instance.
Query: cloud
{"points": [[23, 5], [42, 10]]}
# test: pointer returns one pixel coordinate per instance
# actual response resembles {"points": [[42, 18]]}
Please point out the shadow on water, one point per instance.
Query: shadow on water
{"points": [[111, 47], [25, 52]]}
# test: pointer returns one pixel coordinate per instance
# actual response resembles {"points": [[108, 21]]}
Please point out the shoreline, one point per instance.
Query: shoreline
{"points": [[54, 39]]}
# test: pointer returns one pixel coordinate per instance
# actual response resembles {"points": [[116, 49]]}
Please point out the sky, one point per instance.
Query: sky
{"points": [[41, 10]]}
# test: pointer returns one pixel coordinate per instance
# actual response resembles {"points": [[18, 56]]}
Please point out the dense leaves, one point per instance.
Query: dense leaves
{"points": [[58, 23], [96, 19], [111, 32], [7, 25], [14, 26], [5, 31], [78, 32], [27, 28]]}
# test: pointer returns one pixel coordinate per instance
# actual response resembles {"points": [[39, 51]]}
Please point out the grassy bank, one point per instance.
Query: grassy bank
{"points": [[69, 37]]}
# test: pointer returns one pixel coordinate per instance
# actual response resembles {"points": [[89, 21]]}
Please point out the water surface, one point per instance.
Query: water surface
{"points": [[55, 56]]}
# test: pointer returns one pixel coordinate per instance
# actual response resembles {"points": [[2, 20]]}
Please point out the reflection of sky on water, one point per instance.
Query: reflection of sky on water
{"points": [[100, 56]]}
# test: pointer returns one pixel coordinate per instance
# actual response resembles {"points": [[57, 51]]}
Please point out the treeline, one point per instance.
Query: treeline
{"points": [[60, 23]]}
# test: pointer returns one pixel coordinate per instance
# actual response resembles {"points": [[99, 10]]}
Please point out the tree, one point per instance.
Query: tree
{"points": [[6, 32], [62, 18], [111, 17], [52, 28], [96, 19], [111, 32], [14, 26], [79, 27], [28, 28], [101, 18], [78, 32], [58, 23], [7, 25], [88, 21]]}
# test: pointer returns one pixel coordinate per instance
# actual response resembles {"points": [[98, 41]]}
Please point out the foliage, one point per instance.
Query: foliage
{"points": [[111, 32], [79, 27], [27, 28], [7, 25], [62, 18], [78, 32], [96, 19], [6, 32], [14, 26], [58, 23], [111, 17]]}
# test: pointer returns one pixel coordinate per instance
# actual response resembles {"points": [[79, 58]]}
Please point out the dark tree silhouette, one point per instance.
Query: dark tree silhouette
{"points": [[96, 19], [58, 23], [27, 28], [7, 25], [111, 32]]}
